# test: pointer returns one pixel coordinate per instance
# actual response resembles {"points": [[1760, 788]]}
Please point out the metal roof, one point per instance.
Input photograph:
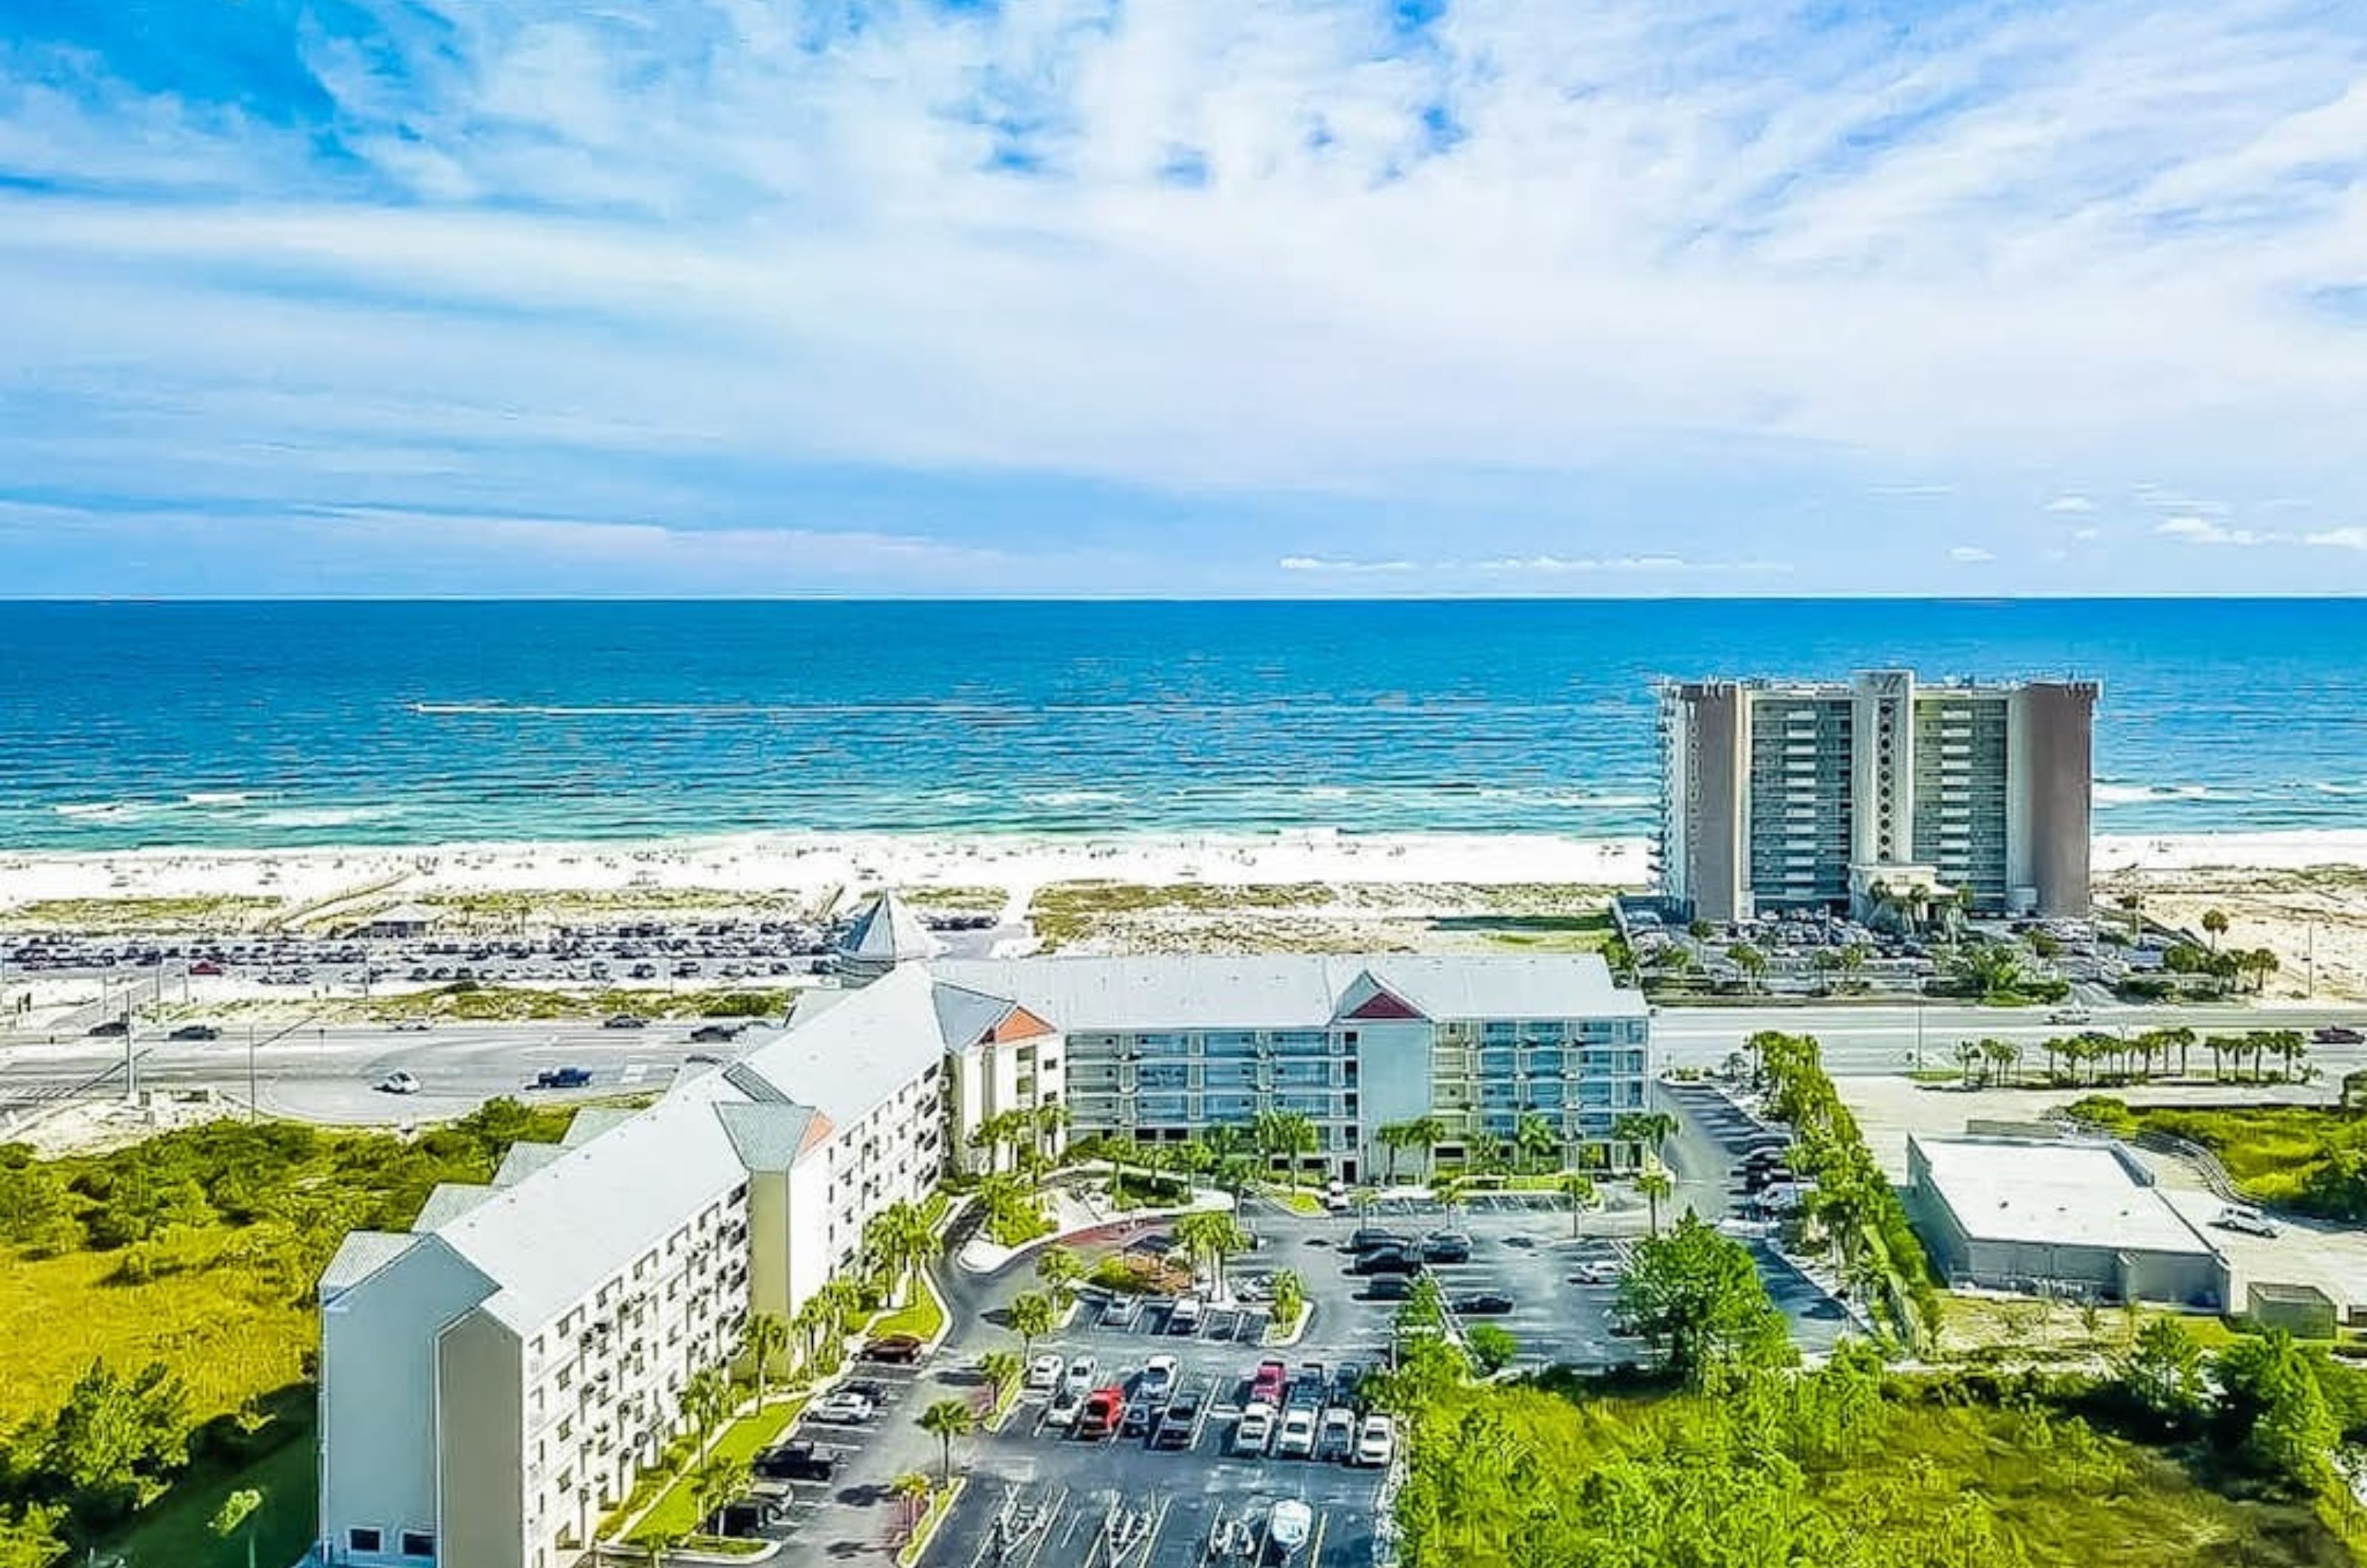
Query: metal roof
{"points": [[2053, 1193], [888, 933]]}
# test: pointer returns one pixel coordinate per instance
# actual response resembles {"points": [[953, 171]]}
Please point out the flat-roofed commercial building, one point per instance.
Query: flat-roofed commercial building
{"points": [[1823, 795], [493, 1380], [2046, 1216]]}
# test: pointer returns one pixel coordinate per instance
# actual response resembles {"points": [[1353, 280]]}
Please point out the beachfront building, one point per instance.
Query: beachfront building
{"points": [[1875, 795], [1161, 1049], [494, 1381]]}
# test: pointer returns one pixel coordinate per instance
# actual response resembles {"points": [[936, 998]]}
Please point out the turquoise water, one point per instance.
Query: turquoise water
{"points": [[260, 724]]}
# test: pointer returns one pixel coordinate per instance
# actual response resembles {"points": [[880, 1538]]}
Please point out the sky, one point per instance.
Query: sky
{"points": [[1182, 297]]}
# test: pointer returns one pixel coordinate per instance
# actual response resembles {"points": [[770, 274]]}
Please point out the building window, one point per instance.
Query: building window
{"points": [[365, 1537], [419, 1543]]}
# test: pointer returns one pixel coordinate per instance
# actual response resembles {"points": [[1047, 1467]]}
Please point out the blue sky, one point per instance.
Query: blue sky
{"points": [[1221, 297]]}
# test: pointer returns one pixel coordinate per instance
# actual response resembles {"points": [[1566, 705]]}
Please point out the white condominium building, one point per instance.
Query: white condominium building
{"points": [[493, 1381]]}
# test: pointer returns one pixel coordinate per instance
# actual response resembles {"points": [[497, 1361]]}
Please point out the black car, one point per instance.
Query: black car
{"points": [[1483, 1304], [113, 1028], [196, 1031], [1447, 1246], [797, 1460], [711, 1032], [562, 1077], [1387, 1261], [1369, 1240], [1390, 1287]]}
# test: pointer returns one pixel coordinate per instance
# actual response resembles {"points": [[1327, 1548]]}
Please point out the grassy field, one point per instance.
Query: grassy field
{"points": [[954, 901], [2279, 1155], [142, 916], [226, 1341], [177, 1533], [487, 1004], [1318, 917], [507, 910], [2065, 1494]]}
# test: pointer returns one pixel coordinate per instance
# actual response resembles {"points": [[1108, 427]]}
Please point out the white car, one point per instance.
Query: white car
{"points": [[398, 1083], [1378, 1443], [1296, 1438], [2251, 1222], [1336, 1436], [414, 1025], [843, 1409], [2070, 1015], [1158, 1379], [1602, 1271], [1185, 1317], [1044, 1371], [1080, 1378], [1066, 1407], [1255, 1429], [1121, 1310]]}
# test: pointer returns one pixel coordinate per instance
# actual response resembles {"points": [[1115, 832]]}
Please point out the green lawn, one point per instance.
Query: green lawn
{"points": [[2286, 1155], [922, 1317], [741, 1442], [175, 1533]]}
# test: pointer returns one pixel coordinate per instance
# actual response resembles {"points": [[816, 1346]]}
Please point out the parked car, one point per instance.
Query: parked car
{"points": [[1139, 1415], [1483, 1304], [1386, 1260], [1447, 1246], [1066, 1407], [1184, 1316], [1268, 1381], [1044, 1371], [1254, 1430], [623, 1021], [844, 1408], [562, 1077], [1181, 1419], [1335, 1434], [1122, 1310], [797, 1460], [398, 1083], [1158, 1380], [895, 1349], [1378, 1443], [196, 1031], [1368, 1238], [1079, 1379], [1296, 1438], [1390, 1288], [1600, 1271], [2251, 1222], [1100, 1416]]}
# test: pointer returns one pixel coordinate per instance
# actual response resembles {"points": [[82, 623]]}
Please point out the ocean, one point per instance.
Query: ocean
{"points": [[282, 725]]}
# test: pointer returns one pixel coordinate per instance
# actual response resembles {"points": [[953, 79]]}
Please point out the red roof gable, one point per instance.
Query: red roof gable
{"points": [[1382, 1005]]}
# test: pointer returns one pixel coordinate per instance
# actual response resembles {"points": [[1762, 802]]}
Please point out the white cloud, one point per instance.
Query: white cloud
{"points": [[2352, 539], [2083, 535], [1969, 554], [745, 233], [2204, 531], [1321, 563]]}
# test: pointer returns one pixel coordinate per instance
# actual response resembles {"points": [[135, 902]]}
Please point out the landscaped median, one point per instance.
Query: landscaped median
{"points": [[941, 1504], [674, 1512]]}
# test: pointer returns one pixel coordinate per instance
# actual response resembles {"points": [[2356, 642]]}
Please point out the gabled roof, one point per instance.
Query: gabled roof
{"points": [[888, 933], [844, 1059], [360, 1256], [965, 1017], [523, 1160], [771, 1137], [1368, 1000], [450, 1200]]}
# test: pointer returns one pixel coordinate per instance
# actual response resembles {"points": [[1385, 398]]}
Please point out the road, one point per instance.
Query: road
{"points": [[326, 1074], [1883, 1037]]}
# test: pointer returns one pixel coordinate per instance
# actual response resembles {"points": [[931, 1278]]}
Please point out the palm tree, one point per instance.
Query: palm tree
{"points": [[944, 1420], [714, 1483], [1059, 1268], [1642, 1131], [1394, 1137], [810, 1320], [1535, 1140], [1214, 1235], [706, 1399], [1578, 1188], [1287, 1135], [912, 1489], [2215, 925], [1033, 1315], [1751, 961], [1968, 1057], [1047, 1120], [661, 1543], [1655, 1185], [766, 1337], [1425, 1133], [2002, 1056], [900, 1238], [1001, 1368]]}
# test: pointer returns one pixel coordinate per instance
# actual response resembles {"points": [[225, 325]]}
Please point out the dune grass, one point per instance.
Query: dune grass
{"points": [[142, 916]]}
